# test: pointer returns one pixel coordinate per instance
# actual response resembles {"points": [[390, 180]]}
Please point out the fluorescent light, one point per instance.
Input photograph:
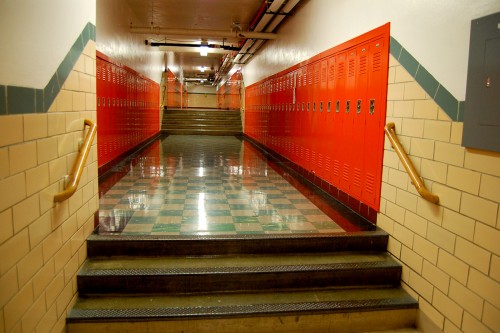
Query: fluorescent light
{"points": [[203, 50], [202, 69]]}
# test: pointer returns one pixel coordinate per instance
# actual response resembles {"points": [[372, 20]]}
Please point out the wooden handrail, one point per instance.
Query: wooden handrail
{"points": [[70, 188], [390, 131]]}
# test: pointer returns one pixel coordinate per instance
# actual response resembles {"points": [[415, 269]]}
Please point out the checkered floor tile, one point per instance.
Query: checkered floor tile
{"points": [[206, 185]]}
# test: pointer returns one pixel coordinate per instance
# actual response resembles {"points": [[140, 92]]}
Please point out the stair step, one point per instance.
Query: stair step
{"points": [[360, 309], [237, 273], [155, 246]]}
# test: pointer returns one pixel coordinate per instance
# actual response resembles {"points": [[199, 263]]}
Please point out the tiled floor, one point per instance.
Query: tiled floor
{"points": [[205, 185]]}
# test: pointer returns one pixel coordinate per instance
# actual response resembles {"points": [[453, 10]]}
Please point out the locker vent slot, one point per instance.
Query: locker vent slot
{"points": [[356, 177], [345, 172], [341, 71], [352, 68], [320, 161], [328, 164], [362, 65], [369, 184], [377, 60], [336, 168], [331, 74]]}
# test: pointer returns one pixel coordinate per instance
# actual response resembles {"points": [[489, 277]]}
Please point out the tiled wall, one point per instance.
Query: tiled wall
{"points": [[450, 252], [42, 245]]}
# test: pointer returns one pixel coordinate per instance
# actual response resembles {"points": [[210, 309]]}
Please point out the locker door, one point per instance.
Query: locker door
{"points": [[330, 98], [308, 130], [360, 108], [323, 139], [338, 118], [378, 54]]}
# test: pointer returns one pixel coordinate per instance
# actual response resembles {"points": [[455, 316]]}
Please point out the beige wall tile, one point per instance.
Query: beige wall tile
{"points": [[35, 126], [56, 123], [64, 101], [65, 144], [54, 289], [490, 188], [391, 159], [62, 257], [466, 299], [60, 213], [89, 65], [483, 161], [402, 75], [2, 324], [57, 170], [22, 157], [439, 279], [457, 129], [449, 153], [11, 128], [425, 109], [71, 268], [13, 250], [412, 259], [429, 211], [75, 201], [77, 241], [82, 215], [17, 306], [8, 286], [64, 299], [473, 255], [433, 170], [448, 197], [52, 244], [414, 91], [412, 127], [72, 81], [441, 237], [48, 321], [448, 307], [40, 229], [421, 286], [85, 82], [90, 100], [403, 234], [46, 149], [463, 179], [6, 225], [454, 267], [47, 197], [79, 101], [471, 324], [29, 265], [395, 92], [487, 237], [459, 224], [484, 286], [25, 212], [43, 278], [416, 223], [490, 317], [478, 208], [394, 247], [437, 130], [403, 109], [398, 178], [4, 163], [68, 228], [395, 212], [422, 148], [406, 200], [435, 316], [426, 249], [386, 223], [495, 268], [37, 179], [33, 315]]}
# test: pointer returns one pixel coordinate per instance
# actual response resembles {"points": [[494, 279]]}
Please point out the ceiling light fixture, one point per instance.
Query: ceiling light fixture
{"points": [[204, 48]]}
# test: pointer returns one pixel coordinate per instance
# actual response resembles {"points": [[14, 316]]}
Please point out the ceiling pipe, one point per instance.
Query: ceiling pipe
{"points": [[211, 46], [203, 33]]}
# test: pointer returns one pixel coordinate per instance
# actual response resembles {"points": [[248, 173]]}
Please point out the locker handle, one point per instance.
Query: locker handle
{"points": [[390, 131], [347, 106], [358, 107], [372, 106]]}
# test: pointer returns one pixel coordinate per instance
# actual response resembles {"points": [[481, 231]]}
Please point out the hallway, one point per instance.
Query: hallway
{"points": [[209, 185]]}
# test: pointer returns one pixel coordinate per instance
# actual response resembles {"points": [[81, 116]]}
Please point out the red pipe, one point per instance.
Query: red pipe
{"points": [[257, 17]]}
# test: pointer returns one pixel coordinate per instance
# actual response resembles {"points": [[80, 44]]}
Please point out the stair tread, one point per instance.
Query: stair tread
{"points": [[238, 264], [164, 306]]}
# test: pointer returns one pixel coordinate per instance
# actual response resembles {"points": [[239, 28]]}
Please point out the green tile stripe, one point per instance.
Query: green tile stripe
{"points": [[22, 100], [446, 101]]}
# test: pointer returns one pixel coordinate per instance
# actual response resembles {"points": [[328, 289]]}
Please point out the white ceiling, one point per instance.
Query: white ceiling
{"points": [[221, 15]]}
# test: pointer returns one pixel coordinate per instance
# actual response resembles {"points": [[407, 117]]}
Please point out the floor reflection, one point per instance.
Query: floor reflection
{"points": [[205, 185]]}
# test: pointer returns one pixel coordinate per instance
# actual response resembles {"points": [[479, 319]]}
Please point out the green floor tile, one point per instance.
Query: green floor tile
{"points": [[275, 227], [245, 219], [216, 212], [170, 213], [170, 227]]}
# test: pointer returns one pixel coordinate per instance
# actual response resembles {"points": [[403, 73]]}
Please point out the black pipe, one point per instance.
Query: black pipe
{"points": [[212, 46]]}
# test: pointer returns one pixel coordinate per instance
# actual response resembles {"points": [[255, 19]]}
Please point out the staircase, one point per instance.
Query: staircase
{"points": [[253, 283], [201, 122]]}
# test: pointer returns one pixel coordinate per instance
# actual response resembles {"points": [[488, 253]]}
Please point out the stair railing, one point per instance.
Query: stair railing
{"points": [[390, 131], [72, 183]]}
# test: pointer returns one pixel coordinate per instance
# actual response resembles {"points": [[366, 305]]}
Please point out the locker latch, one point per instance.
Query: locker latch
{"points": [[347, 106], [320, 106], [329, 106], [372, 106], [358, 107], [337, 107]]}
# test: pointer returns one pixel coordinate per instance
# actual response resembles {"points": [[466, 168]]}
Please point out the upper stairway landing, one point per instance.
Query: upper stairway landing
{"points": [[201, 122]]}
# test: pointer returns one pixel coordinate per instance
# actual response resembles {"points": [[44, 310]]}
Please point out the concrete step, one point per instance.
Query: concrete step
{"points": [[178, 275], [155, 246], [345, 310], [201, 121]]}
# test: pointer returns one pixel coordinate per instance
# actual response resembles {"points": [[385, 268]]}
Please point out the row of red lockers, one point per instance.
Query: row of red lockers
{"points": [[127, 108], [228, 95], [327, 114]]}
